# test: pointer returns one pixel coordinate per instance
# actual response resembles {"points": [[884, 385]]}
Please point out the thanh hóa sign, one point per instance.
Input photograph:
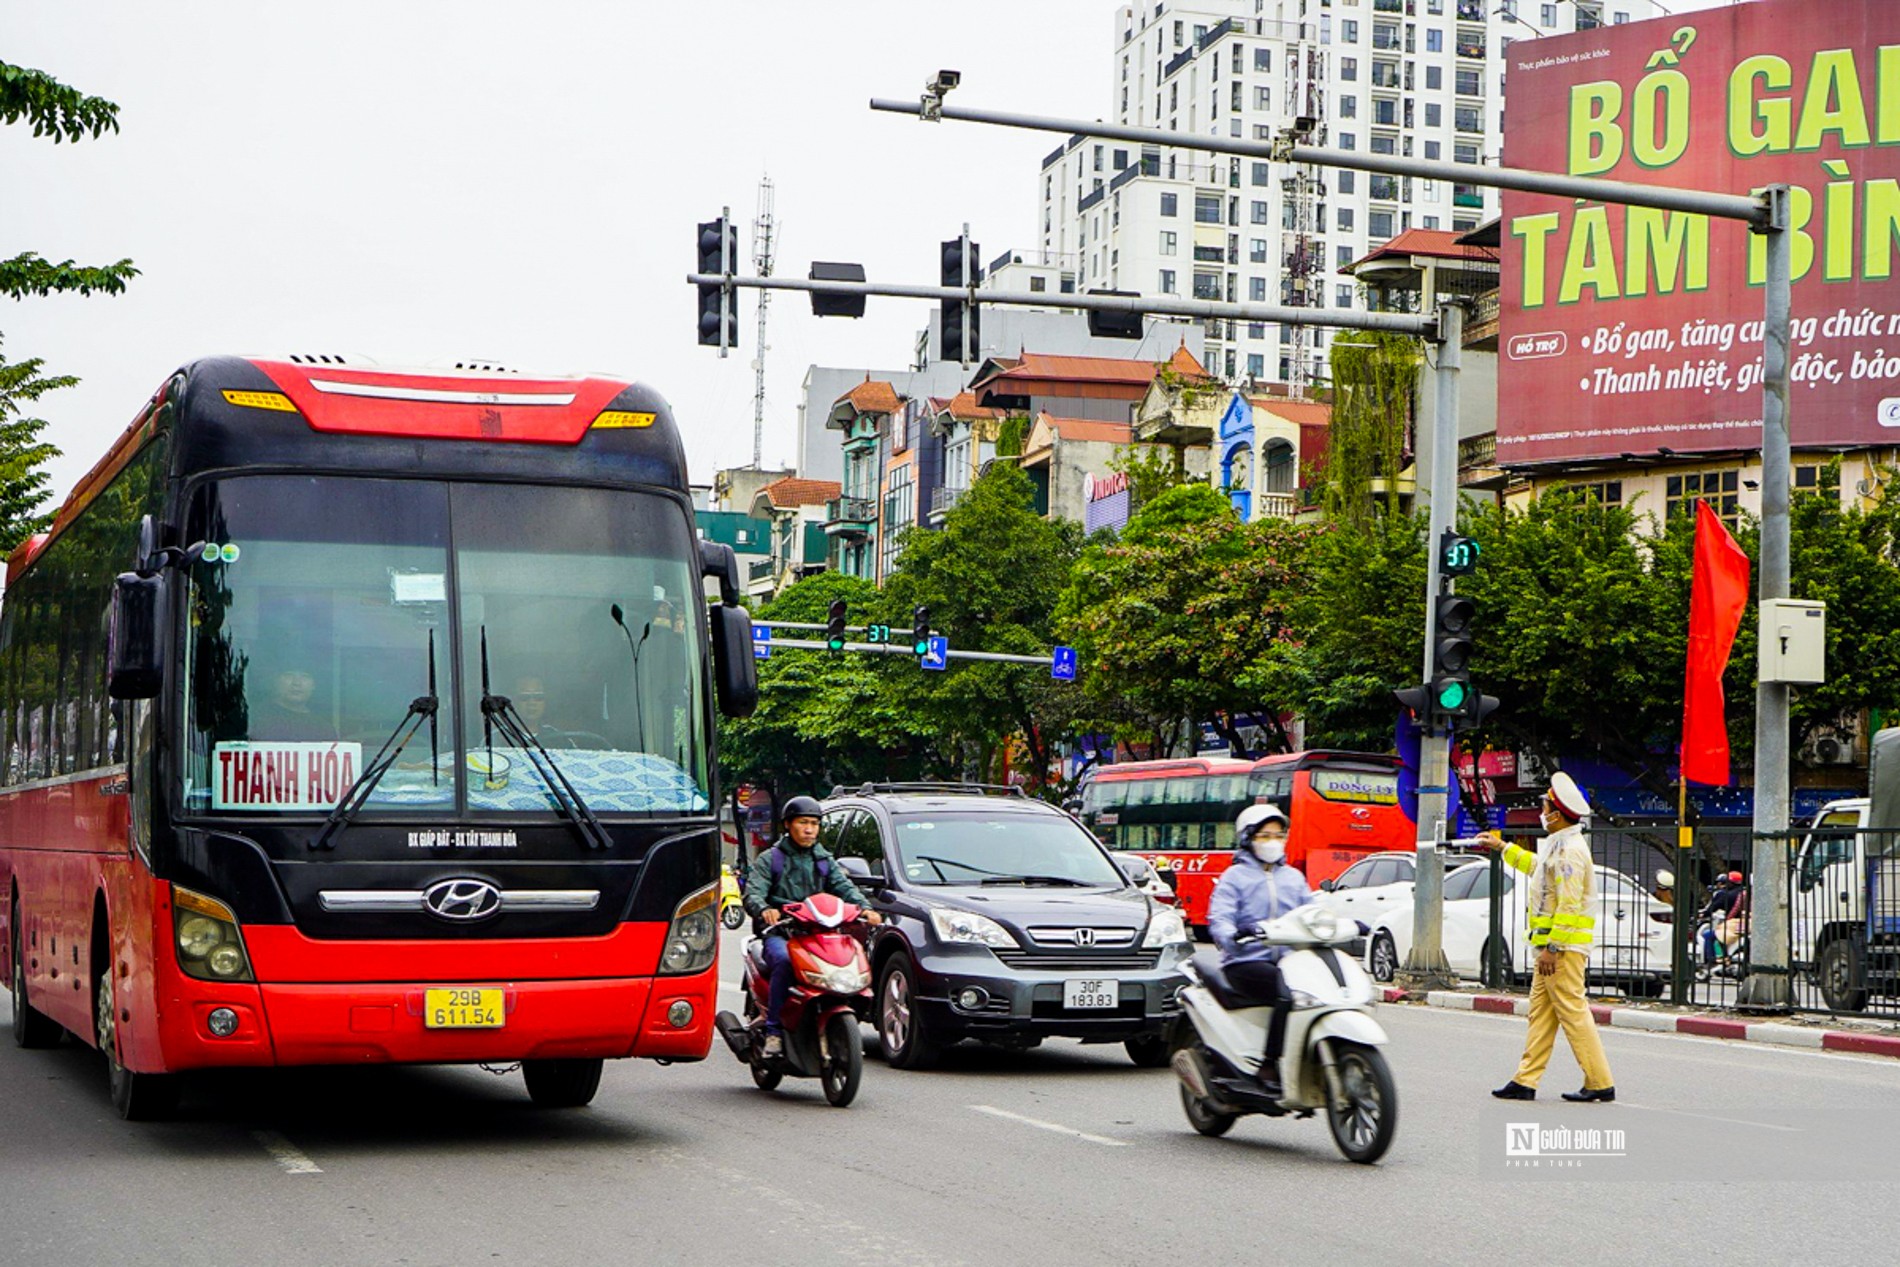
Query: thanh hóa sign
{"points": [[1624, 330], [282, 776]]}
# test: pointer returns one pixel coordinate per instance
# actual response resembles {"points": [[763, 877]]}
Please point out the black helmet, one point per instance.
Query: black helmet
{"points": [[801, 807]]}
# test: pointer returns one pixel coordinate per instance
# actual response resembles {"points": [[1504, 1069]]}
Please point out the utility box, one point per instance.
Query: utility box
{"points": [[1793, 641]]}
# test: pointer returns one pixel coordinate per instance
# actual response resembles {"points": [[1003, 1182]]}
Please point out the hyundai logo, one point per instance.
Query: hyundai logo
{"points": [[1085, 936], [462, 900]]}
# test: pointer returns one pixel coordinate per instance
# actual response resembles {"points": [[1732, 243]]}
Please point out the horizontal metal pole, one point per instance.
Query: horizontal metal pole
{"points": [[881, 648], [1341, 319], [806, 624], [1749, 209]]}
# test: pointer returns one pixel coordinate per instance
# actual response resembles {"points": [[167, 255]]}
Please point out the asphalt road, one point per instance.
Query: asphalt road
{"points": [[1067, 1154]]}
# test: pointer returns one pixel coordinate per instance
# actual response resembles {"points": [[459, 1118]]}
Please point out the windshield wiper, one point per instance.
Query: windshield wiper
{"points": [[423, 706], [498, 712], [1068, 881]]}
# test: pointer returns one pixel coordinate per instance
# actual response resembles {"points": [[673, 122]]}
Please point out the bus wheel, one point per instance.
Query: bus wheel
{"points": [[139, 1097], [562, 1084], [31, 1027]]}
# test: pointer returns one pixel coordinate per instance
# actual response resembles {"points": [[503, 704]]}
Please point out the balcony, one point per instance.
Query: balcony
{"points": [[1473, 50], [761, 570], [942, 499], [1277, 505], [1471, 10], [1466, 196], [1384, 188], [1092, 197], [850, 516]]}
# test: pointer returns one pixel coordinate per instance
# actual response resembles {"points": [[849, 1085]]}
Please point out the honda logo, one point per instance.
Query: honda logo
{"points": [[1085, 936], [462, 900]]}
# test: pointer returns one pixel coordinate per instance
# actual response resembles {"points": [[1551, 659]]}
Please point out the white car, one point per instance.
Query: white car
{"points": [[1632, 943], [1375, 885]]}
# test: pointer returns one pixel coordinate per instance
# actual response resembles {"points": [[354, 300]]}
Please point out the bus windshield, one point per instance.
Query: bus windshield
{"points": [[320, 607], [1166, 810]]}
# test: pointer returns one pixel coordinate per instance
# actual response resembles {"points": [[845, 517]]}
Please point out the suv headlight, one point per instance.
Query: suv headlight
{"points": [[1167, 928], [693, 936], [209, 945], [967, 928]]}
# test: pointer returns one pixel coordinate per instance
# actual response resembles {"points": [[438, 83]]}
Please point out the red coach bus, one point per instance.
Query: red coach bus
{"points": [[1180, 814], [344, 722]]}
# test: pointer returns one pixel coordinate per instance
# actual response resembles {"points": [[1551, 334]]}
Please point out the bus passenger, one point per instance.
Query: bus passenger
{"points": [[285, 714]]}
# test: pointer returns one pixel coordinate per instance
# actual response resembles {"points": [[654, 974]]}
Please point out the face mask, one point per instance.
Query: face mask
{"points": [[1272, 852]]}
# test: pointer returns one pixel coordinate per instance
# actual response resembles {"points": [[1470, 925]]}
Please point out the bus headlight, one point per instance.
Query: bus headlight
{"points": [[692, 938], [209, 945]]}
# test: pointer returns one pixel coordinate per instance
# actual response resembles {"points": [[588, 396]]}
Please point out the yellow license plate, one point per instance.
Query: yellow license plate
{"points": [[461, 1008]]}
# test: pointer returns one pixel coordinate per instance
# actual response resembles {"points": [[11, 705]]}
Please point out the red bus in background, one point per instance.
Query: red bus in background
{"points": [[346, 716], [1180, 814]]}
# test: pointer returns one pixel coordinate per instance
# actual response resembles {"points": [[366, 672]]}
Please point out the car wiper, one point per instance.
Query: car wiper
{"points": [[1040, 880], [498, 712], [423, 706]]}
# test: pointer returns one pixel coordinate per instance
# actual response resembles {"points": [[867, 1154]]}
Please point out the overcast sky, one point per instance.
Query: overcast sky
{"points": [[416, 181]]}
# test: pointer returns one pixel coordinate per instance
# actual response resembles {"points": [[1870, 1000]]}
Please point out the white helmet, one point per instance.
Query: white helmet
{"points": [[1253, 818]]}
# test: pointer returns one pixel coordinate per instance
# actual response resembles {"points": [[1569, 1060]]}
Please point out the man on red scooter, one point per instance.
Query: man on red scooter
{"points": [[794, 868]]}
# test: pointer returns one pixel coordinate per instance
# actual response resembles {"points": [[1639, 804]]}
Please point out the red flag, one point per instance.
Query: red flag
{"points": [[1717, 596]]}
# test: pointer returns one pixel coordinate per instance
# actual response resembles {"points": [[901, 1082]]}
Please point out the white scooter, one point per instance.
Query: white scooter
{"points": [[1331, 1059]]}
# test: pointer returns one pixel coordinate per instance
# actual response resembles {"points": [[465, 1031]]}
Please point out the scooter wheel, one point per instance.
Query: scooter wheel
{"points": [[766, 1079], [1364, 1124], [844, 1067], [1207, 1121], [733, 916]]}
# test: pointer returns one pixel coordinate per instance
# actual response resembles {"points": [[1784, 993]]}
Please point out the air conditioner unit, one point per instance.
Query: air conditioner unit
{"points": [[1828, 749]]}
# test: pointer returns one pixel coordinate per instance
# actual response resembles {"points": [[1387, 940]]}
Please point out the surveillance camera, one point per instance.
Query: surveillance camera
{"points": [[944, 81], [1305, 124]]}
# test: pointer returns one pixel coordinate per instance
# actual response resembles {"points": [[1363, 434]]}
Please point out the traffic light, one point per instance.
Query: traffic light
{"points": [[1114, 325], [1457, 554], [961, 271], [920, 629], [718, 304], [834, 628], [1451, 688]]}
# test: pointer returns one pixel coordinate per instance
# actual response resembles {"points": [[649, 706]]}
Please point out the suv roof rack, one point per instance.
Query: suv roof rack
{"points": [[979, 789]]}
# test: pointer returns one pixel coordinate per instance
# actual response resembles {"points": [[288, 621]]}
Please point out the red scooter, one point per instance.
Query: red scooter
{"points": [[831, 993]]}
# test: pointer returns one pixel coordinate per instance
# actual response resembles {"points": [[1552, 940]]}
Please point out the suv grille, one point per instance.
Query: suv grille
{"points": [[1081, 960]]}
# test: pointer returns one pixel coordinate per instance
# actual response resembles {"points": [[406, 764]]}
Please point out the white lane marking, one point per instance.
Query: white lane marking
{"points": [[287, 1154], [1056, 1127], [1732, 1121], [1736, 1046]]}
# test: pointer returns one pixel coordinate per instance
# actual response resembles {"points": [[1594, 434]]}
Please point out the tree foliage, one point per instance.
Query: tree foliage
{"points": [[991, 578], [53, 109], [1375, 384], [23, 451], [63, 114], [1168, 619]]}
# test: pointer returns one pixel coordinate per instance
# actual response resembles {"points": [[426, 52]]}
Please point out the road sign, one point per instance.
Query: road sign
{"points": [[761, 642], [936, 654], [1062, 664]]}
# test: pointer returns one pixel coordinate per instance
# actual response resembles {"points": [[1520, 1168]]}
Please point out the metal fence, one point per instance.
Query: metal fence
{"points": [[1691, 942]]}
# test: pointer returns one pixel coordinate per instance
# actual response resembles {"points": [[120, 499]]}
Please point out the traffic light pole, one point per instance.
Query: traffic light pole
{"points": [[1393, 322], [1425, 966]]}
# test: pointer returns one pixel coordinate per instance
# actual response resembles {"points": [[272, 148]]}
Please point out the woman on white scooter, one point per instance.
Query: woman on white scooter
{"points": [[1258, 886]]}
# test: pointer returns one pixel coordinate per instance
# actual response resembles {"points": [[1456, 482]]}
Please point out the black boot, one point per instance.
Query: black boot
{"points": [[1515, 1090], [1602, 1095]]}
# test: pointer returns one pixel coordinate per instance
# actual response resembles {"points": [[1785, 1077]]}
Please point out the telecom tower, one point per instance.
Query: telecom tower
{"points": [[762, 226], [1305, 264]]}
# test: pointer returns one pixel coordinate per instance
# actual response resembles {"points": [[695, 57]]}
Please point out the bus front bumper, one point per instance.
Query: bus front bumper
{"points": [[384, 1023]]}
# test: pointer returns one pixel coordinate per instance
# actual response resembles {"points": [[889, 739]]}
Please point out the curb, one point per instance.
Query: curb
{"points": [[1701, 1025]]}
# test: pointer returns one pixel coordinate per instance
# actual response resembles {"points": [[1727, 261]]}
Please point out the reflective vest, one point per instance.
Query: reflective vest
{"points": [[1560, 907]]}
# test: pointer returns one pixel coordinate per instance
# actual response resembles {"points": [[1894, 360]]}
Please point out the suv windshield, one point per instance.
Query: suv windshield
{"points": [[320, 607], [974, 848]]}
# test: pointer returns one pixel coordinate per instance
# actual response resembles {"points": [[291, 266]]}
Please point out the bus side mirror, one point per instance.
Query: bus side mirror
{"points": [[132, 647], [735, 676], [717, 559]]}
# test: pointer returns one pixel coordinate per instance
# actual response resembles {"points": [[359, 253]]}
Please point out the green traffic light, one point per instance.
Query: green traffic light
{"points": [[1451, 696], [836, 644]]}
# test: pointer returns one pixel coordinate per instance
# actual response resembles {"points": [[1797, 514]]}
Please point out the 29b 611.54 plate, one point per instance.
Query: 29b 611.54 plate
{"points": [[462, 1008]]}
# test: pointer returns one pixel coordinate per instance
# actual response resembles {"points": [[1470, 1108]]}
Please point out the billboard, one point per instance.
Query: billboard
{"points": [[1624, 330]]}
